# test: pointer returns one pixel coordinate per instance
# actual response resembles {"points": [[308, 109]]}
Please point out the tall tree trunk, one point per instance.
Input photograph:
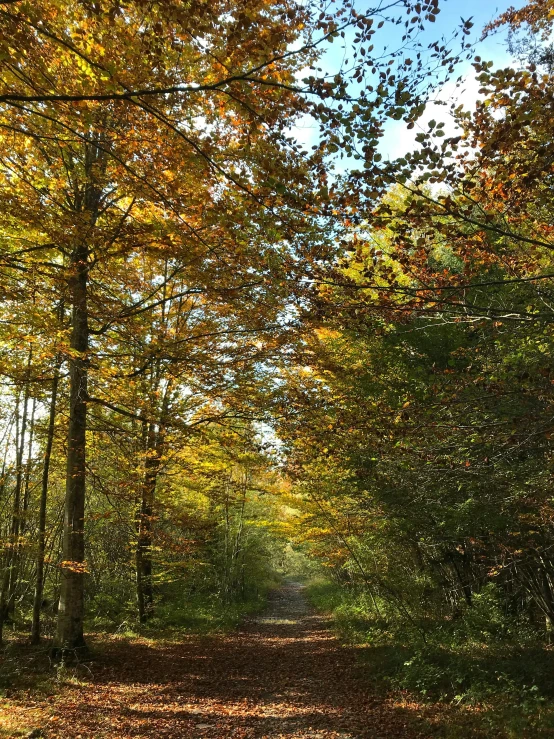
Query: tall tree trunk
{"points": [[39, 582], [226, 588], [26, 490], [155, 442], [9, 580], [3, 474], [69, 634], [5, 558], [24, 484], [238, 537], [8, 558], [145, 593], [17, 523]]}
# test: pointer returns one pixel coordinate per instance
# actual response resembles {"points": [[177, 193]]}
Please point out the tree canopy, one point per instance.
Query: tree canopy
{"points": [[225, 353]]}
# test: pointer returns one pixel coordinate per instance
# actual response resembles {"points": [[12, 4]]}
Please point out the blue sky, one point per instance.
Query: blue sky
{"points": [[398, 139]]}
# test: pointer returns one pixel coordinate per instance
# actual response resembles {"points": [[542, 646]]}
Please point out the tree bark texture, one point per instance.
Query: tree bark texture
{"points": [[71, 608]]}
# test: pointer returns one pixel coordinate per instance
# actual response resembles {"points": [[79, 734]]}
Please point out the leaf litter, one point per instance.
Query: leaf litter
{"points": [[283, 675]]}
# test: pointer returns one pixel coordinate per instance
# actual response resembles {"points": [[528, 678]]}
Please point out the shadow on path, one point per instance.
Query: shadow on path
{"points": [[283, 675]]}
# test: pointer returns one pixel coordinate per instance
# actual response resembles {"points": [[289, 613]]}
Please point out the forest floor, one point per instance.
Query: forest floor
{"points": [[281, 675]]}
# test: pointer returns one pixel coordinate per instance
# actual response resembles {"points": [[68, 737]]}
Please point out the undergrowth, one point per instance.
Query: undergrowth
{"points": [[494, 675], [185, 612]]}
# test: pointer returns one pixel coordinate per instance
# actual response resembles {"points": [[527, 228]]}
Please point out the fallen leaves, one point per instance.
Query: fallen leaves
{"points": [[283, 676]]}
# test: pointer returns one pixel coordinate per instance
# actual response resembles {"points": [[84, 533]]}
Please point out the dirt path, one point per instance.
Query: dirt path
{"points": [[283, 675]]}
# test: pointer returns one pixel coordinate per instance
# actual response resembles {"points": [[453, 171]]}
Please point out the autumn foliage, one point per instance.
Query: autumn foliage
{"points": [[226, 354]]}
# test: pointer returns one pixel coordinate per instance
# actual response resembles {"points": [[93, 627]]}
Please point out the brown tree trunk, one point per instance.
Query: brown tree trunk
{"points": [[145, 593], [11, 570], [24, 485], [155, 443], [5, 559], [69, 634], [8, 558], [39, 581], [26, 491]]}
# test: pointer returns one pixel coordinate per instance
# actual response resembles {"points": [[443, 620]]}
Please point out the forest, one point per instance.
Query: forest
{"points": [[277, 395]]}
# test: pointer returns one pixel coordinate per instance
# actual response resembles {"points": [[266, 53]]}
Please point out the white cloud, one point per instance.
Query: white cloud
{"points": [[398, 139]]}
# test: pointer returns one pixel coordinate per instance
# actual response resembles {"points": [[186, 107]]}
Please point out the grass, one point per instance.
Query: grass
{"points": [[198, 614]]}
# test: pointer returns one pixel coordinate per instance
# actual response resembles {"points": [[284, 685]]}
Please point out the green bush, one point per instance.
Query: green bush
{"points": [[481, 658]]}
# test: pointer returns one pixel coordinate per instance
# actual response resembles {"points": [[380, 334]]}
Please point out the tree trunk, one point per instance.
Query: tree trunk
{"points": [[39, 582], [9, 582], [8, 558], [69, 635], [26, 490], [145, 594], [5, 558], [15, 576], [17, 513], [71, 609], [155, 444]]}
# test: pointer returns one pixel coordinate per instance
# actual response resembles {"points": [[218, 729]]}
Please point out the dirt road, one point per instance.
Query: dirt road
{"points": [[283, 675]]}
